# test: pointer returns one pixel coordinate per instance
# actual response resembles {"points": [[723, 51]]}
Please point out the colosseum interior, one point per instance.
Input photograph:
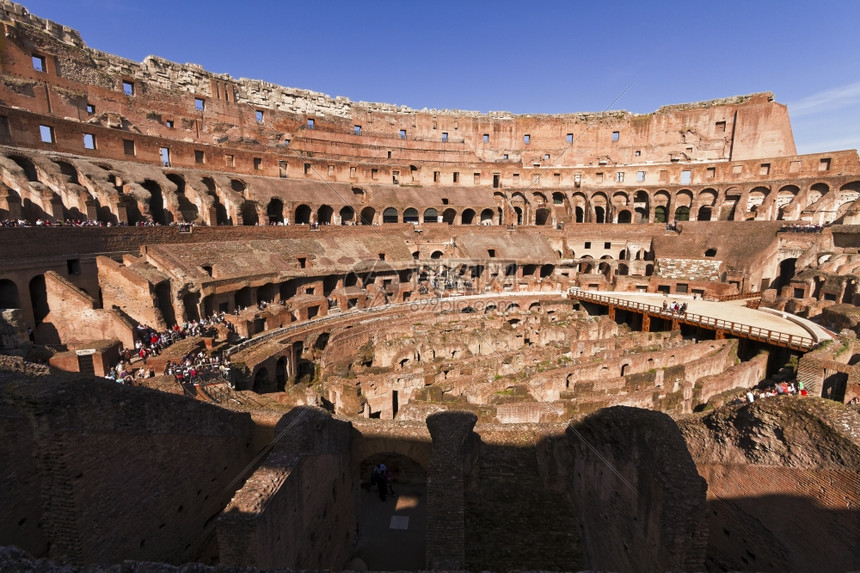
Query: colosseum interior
{"points": [[215, 293]]}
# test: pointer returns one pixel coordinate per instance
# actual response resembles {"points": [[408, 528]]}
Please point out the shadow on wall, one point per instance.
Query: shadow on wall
{"points": [[782, 533]]}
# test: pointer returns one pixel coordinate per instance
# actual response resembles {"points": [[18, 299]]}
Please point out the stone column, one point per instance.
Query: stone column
{"points": [[446, 527]]}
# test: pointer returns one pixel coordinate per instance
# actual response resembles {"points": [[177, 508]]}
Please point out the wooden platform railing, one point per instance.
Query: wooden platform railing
{"points": [[792, 341]]}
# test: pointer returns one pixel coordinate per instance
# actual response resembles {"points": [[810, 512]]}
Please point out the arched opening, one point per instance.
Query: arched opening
{"points": [[261, 381], [266, 292], [599, 215], [660, 214], [347, 215], [431, 215], [390, 215], [704, 214], [448, 216], [682, 214], [9, 294], [487, 217], [580, 215], [625, 216], [69, 171], [367, 215], [542, 216], [379, 526], [606, 270], [281, 373], [324, 214], [436, 255], [586, 265], [518, 212], [468, 217], [191, 303], [39, 298], [217, 208], [244, 297], [27, 166], [187, 209], [275, 211], [238, 185], [546, 271], [410, 215], [303, 215], [787, 269], [156, 203], [249, 214]]}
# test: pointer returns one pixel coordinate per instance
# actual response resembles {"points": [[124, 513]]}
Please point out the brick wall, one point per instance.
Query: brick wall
{"points": [[124, 472]]}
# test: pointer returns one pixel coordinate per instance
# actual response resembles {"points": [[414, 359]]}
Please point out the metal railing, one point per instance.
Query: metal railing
{"points": [[792, 341]]}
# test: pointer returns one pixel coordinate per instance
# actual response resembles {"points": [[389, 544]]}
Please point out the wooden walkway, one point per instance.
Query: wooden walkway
{"points": [[720, 326]]}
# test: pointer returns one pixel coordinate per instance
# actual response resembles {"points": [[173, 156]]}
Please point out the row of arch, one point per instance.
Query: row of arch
{"points": [[57, 188]]}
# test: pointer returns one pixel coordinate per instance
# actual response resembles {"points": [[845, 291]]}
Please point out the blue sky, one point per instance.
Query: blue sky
{"points": [[523, 57]]}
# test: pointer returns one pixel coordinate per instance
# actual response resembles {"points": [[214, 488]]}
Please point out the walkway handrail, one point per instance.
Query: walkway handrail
{"points": [[739, 329], [728, 297]]}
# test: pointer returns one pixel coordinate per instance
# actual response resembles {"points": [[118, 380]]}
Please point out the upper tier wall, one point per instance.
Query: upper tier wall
{"points": [[186, 103]]}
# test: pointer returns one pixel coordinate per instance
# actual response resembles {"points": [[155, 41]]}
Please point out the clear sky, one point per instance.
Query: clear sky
{"points": [[523, 57]]}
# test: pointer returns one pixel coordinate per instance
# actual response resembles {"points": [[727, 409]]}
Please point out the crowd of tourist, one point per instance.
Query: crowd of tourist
{"points": [[198, 368], [88, 223], [776, 389], [151, 342], [809, 228]]}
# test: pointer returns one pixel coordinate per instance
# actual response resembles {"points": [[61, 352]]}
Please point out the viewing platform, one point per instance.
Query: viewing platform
{"points": [[725, 318]]}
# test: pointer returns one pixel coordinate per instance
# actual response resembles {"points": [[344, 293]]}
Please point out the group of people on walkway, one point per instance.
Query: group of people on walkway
{"points": [[675, 308], [796, 228], [776, 389], [199, 368], [382, 477]]}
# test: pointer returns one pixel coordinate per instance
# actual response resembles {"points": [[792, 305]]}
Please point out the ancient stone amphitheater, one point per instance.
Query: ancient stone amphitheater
{"points": [[483, 302]]}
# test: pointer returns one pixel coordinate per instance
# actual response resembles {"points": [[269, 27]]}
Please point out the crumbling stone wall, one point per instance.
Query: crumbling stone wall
{"points": [[782, 478], [75, 317], [298, 510]]}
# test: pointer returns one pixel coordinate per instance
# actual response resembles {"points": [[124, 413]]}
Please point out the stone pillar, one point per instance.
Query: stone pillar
{"points": [[446, 527]]}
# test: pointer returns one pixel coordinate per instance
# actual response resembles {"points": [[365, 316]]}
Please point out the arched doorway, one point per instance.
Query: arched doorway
{"points": [[187, 209], [347, 215], [303, 215], [431, 215], [625, 216], [410, 215], [542, 216], [324, 215], [367, 215], [39, 298], [468, 217], [249, 214], [448, 216], [398, 522], [9, 294], [275, 211], [156, 203]]}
